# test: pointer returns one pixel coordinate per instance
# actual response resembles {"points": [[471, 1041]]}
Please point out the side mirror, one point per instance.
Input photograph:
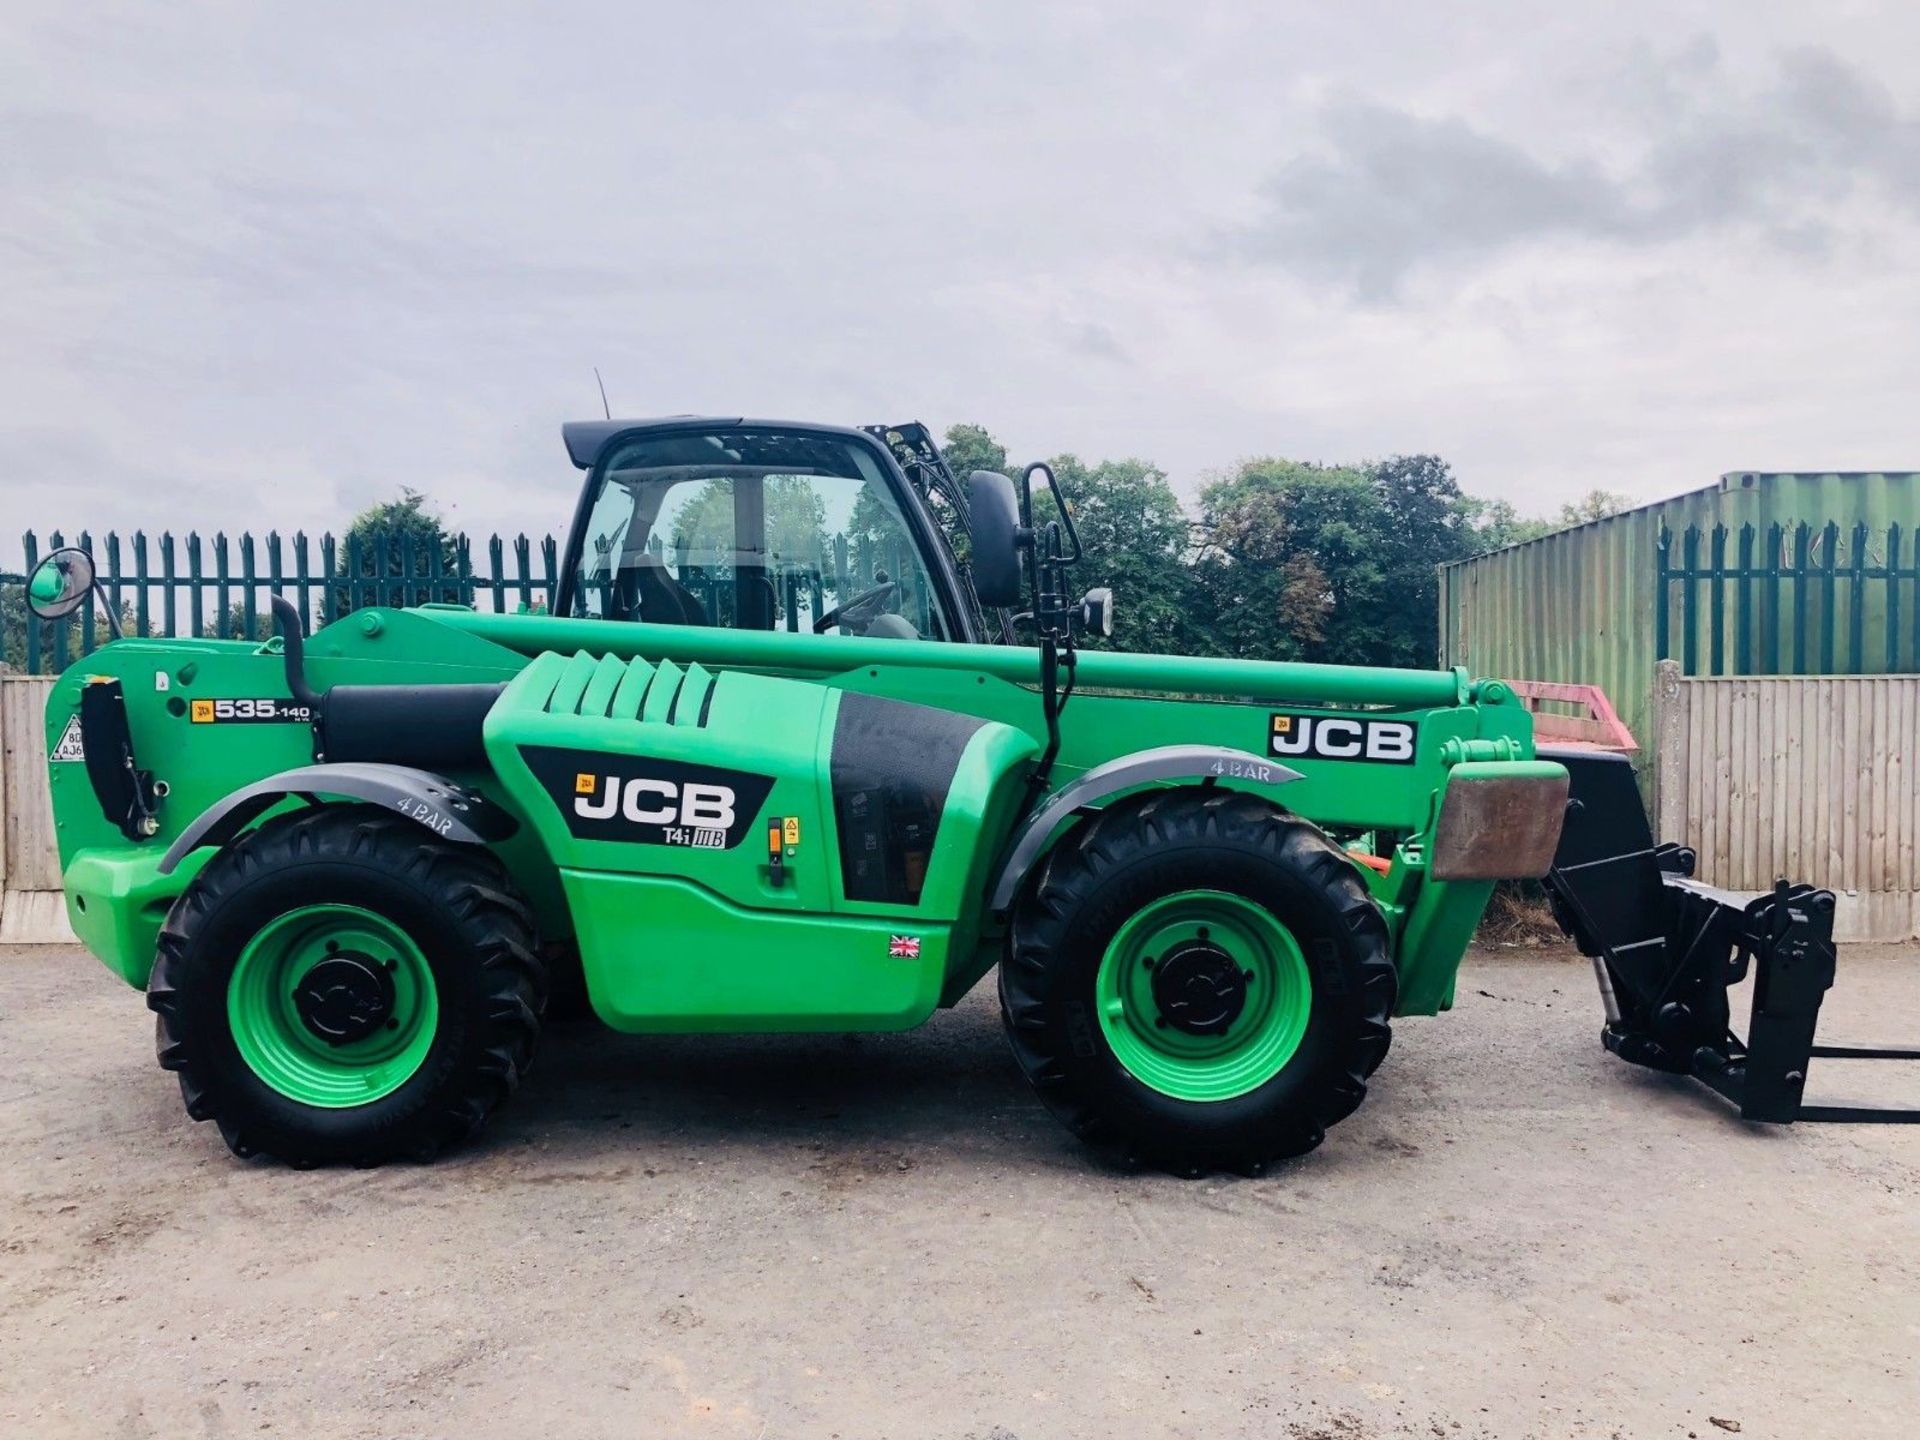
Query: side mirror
{"points": [[1096, 612], [60, 584], [993, 523]]}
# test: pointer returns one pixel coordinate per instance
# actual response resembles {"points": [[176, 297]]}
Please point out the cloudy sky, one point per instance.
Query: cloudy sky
{"points": [[262, 264]]}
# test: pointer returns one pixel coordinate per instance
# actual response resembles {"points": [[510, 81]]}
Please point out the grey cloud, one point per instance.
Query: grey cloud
{"points": [[1093, 339], [1392, 191]]}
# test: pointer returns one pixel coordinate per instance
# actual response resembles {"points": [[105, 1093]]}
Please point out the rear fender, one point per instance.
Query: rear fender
{"points": [[1206, 764], [436, 804]]}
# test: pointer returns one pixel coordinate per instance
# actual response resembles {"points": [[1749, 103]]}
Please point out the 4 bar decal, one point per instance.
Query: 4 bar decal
{"points": [[1342, 737]]}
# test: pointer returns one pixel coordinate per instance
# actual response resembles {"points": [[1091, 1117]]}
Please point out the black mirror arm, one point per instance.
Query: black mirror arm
{"points": [[1071, 555]]}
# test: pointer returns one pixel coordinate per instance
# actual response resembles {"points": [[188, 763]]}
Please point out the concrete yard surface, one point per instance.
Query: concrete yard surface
{"points": [[1517, 1235]]}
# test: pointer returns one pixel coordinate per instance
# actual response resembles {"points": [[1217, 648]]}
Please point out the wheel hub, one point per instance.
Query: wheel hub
{"points": [[345, 997], [1199, 989]]}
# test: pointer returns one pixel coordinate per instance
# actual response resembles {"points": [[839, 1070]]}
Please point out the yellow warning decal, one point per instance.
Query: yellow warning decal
{"points": [[793, 830]]}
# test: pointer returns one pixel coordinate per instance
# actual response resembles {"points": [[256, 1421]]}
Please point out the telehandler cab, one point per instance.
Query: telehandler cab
{"points": [[760, 769]]}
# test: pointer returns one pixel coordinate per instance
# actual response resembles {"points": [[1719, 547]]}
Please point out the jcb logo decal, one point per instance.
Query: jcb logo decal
{"points": [[654, 802], [643, 801], [1343, 737]]}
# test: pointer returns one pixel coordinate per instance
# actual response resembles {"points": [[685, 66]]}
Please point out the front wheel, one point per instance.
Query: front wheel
{"points": [[1199, 981], [339, 985]]}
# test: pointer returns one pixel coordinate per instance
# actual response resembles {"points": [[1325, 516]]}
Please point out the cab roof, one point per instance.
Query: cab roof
{"points": [[586, 438]]}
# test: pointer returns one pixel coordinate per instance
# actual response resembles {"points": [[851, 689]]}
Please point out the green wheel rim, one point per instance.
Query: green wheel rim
{"points": [[278, 1045], [1258, 1042]]}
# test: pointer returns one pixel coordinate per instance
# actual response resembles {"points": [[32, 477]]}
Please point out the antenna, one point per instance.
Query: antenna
{"points": [[603, 392]]}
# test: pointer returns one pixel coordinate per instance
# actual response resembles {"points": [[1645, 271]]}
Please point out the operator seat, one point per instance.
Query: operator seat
{"points": [[663, 600]]}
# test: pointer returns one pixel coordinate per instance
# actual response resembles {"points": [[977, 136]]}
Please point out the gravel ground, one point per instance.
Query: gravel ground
{"points": [[1515, 1236]]}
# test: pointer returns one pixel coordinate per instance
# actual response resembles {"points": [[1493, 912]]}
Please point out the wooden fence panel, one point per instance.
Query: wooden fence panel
{"points": [[1814, 778], [31, 863], [32, 907]]}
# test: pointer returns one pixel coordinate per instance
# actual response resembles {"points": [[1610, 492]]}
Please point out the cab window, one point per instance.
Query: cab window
{"points": [[754, 530]]}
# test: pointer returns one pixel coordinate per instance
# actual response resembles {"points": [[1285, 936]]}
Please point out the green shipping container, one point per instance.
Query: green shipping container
{"points": [[1585, 605]]}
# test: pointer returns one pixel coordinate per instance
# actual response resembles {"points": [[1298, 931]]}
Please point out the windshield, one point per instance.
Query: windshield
{"points": [[754, 530]]}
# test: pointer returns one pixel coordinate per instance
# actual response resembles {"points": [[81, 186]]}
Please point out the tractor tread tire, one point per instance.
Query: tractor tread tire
{"points": [[484, 929], [1052, 955]]}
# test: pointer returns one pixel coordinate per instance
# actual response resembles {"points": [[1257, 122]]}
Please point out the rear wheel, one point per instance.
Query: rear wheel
{"points": [[340, 986], [1199, 981]]}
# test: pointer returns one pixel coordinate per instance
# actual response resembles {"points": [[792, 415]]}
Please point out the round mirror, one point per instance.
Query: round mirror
{"points": [[60, 584], [993, 523]]}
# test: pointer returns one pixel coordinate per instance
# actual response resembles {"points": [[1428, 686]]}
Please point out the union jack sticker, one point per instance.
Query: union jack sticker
{"points": [[903, 947]]}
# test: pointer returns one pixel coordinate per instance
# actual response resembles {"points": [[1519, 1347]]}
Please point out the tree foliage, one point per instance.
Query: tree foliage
{"points": [[396, 522], [1286, 560], [969, 448], [65, 636], [1135, 540], [1497, 524], [398, 539], [1329, 562], [796, 519], [1594, 505]]}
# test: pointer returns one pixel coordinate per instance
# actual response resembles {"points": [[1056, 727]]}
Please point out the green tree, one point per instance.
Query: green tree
{"points": [[1132, 528], [399, 539], [796, 521], [1135, 538], [69, 630], [1594, 505], [233, 625], [1285, 553], [1333, 563], [1495, 524], [969, 447], [1429, 523]]}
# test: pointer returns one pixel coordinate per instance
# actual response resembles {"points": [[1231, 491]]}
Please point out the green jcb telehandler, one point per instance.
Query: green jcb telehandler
{"points": [[778, 759]]}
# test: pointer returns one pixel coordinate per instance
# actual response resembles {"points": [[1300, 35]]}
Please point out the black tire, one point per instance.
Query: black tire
{"points": [[1167, 842], [454, 902]]}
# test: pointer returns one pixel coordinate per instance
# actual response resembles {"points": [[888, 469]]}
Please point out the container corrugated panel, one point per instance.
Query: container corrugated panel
{"points": [[1578, 605]]}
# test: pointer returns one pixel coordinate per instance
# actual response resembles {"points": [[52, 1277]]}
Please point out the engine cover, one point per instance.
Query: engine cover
{"points": [[746, 851]]}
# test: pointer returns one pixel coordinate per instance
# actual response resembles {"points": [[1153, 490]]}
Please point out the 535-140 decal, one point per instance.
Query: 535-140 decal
{"points": [[264, 710]]}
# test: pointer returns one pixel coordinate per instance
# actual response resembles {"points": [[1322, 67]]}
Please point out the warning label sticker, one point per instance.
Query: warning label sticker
{"points": [[70, 747]]}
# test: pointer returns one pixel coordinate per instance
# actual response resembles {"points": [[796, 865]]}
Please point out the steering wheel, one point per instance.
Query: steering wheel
{"points": [[860, 609]]}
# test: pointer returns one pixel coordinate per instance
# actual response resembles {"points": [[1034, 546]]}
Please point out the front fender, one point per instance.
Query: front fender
{"points": [[451, 811], [1208, 764]]}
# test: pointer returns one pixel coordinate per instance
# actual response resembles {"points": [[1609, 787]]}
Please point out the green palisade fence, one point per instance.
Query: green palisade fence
{"points": [[1799, 600], [221, 588]]}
